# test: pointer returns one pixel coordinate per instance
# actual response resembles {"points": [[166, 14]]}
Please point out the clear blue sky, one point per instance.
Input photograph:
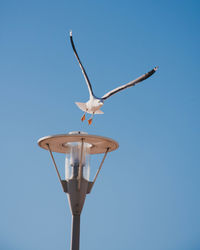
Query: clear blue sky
{"points": [[147, 195]]}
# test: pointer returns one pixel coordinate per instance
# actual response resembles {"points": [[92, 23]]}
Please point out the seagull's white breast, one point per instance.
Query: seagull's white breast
{"points": [[94, 104]]}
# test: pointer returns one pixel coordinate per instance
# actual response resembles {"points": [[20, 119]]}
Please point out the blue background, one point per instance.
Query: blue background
{"points": [[147, 194]]}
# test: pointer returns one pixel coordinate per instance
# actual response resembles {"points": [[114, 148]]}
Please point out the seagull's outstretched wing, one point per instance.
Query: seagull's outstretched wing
{"points": [[130, 84], [82, 68]]}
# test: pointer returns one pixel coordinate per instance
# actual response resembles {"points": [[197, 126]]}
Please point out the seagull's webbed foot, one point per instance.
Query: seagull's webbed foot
{"points": [[83, 118], [90, 120]]}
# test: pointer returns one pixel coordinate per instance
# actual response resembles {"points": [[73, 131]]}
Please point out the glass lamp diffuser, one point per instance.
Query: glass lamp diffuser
{"points": [[73, 161]]}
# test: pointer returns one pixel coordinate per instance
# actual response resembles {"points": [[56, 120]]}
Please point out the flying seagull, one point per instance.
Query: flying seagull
{"points": [[95, 103]]}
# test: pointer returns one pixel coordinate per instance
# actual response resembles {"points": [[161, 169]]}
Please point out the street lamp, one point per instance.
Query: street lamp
{"points": [[78, 146]]}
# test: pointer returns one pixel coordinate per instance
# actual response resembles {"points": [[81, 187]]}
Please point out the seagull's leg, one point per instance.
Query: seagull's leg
{"points": [[83, 117], [90, 120]]}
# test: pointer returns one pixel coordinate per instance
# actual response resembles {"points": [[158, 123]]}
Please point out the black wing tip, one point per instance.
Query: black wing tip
{"points": [[156, 68]]}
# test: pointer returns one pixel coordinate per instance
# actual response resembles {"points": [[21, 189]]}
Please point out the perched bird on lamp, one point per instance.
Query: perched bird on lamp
{"points": [[93, 105]]}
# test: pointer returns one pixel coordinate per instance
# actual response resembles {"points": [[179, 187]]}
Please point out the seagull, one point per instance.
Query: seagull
{"points": [[93, 105]]}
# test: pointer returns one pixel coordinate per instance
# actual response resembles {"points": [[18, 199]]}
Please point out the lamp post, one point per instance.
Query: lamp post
{"points": [[78, 146]]}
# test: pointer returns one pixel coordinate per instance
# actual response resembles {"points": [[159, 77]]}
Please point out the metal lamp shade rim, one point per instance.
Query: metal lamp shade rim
{"points": [[59, 143]]}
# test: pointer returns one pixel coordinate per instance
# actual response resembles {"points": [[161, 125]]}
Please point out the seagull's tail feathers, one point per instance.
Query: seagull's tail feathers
{"points": [[99, 112], [82, 106]]}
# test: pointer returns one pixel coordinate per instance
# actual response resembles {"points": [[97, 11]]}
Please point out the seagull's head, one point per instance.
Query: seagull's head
{"points": [[99, 102]]}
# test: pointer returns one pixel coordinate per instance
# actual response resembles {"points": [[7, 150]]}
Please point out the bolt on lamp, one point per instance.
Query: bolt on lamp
{"points": [[78, 146]]}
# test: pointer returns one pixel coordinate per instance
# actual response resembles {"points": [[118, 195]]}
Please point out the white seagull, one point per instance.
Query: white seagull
{"points": [[94, 104]]}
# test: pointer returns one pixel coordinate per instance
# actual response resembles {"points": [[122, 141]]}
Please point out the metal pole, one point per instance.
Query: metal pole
{"points": [[75, 239]]}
